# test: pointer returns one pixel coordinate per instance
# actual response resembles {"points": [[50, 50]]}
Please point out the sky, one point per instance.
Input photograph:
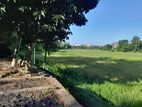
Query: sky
{"points": [[110, 21]]}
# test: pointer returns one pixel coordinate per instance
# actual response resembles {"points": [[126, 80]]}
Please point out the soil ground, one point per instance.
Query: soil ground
{"points": [[32, 90]]}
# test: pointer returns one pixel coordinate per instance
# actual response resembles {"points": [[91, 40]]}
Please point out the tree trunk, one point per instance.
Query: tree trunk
{"points": [[45, 58], [49, 53], [29, 53], [28, 57], [16, 52], [34, 54]]}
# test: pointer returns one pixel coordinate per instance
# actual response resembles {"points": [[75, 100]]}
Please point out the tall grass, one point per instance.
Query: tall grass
{"points": [[100, 78]]}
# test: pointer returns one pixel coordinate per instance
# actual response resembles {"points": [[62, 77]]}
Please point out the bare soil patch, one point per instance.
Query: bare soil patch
{"points": [[32, 90], [20, 83], [28, 92]]}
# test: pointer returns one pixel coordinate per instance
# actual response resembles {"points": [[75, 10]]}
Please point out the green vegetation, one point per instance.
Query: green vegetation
{"points": [[100, 78], [124, 45]]}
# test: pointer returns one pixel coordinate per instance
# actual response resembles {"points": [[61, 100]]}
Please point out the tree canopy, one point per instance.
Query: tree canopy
{"points": [[33, 18], [47, 20]]}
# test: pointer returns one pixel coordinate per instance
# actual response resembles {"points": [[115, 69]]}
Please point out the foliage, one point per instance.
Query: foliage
{"points": [[64, 45], [10, 38], [123, 45], [86, 47], [107, 47], [4, 50], [135, 39], [7, 43], [48, 20], [136, 43]]}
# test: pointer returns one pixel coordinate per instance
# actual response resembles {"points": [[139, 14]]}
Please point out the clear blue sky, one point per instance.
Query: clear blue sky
{"points": [[111, 21]]}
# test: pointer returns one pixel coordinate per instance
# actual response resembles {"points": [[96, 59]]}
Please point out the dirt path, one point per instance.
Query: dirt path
{"points": [[32, 91]]}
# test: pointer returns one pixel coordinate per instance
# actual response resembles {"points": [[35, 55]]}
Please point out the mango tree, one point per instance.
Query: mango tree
{"points": [[42, 19]]}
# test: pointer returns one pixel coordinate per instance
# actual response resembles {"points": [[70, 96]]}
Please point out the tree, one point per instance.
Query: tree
{"points": [[64, 45], [136, 43], [123, 45], [37, 19], [135, 39], [107, 47]]}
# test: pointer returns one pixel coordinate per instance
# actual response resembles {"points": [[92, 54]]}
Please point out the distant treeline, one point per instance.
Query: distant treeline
{"points": [[122, 45], [125, 46], [85, 47]]}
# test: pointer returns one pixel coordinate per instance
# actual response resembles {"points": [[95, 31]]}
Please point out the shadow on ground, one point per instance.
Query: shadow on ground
{"points": [[102, 69], [80, 70]]}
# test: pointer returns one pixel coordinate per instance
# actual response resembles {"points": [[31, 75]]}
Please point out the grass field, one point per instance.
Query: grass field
{"points": [[100, 78]]}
